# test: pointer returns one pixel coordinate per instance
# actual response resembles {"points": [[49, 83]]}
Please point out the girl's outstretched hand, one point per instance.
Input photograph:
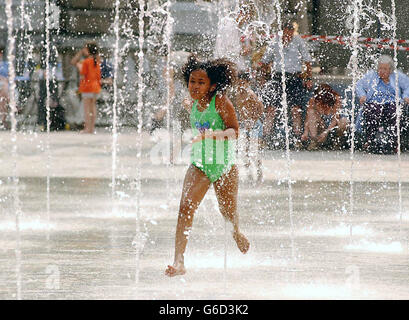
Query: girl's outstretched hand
{"points": [[206, 134], [217, 134], [198, 138]]}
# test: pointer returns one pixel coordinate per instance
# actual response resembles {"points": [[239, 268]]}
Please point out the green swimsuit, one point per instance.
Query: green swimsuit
{"points": [[213, 157]]}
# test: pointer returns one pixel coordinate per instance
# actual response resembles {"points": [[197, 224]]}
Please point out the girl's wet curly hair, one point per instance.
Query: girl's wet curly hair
{"points": [[325, 95], [221, 72], [93, 50]]}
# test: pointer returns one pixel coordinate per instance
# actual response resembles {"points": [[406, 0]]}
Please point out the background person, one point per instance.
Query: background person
{"points": [[90, 82], [296, 55], [376, 93], [249, 108], [177, 92], [232, 42], [107, 74], [323, 124]]}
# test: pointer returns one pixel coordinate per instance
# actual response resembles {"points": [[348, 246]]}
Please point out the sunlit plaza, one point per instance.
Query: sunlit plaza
{"points": [[93, 216]]}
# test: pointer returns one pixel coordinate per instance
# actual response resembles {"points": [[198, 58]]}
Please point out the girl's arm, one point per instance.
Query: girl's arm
{"points": [[251, 105], [187, 104], [308, 76], [308, 119], [246, 49], [253, 109], [257, 106], [79, 66], [335, 118], [75, 61], [334, 121], [226, 111], [324, 134]]}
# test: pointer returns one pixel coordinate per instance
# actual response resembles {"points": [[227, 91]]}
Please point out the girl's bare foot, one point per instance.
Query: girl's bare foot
{"points": [[241, 241], [172, 271]]}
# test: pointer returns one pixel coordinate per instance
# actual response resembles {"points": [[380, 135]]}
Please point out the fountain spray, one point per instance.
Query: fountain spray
{"points": [[167, 40], [115, 103], [140, 237], [14, 154], [354, 59], [287, 129], [398, 112], [47, 105]]}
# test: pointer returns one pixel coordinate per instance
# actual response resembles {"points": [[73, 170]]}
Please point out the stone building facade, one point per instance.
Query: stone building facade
{"points": [[194, 26]]}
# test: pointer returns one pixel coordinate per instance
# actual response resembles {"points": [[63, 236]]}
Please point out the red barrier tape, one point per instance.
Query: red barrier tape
{"points": [[378, 43]]}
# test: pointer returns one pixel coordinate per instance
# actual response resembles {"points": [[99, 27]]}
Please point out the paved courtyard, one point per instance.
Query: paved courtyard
{"points": [[345, 236]]}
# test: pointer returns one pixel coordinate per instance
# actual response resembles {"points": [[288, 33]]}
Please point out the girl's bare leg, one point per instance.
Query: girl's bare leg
{"points": [[297, 121], [90, 114], [247, 159], [259, 161], [313, 124], [195, 187], [226, 189], [256, 159], [87, 114], [3, 111], [306, 134], [93, 115], [269, 120], [343, 125]]}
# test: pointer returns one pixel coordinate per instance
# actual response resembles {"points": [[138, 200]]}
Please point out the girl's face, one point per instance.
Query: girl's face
{"points": [[85, 52], [325, 108], [199, 85]]}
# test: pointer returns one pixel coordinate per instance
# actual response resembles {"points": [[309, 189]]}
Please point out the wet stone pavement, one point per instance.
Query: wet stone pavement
{"points": [[84, 245]]}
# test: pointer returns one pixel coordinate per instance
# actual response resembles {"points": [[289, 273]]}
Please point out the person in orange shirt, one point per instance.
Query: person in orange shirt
{"points": [[90, 82]]}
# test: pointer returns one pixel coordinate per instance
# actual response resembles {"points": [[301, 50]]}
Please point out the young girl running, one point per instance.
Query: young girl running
{"points": [[215, 129]]}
